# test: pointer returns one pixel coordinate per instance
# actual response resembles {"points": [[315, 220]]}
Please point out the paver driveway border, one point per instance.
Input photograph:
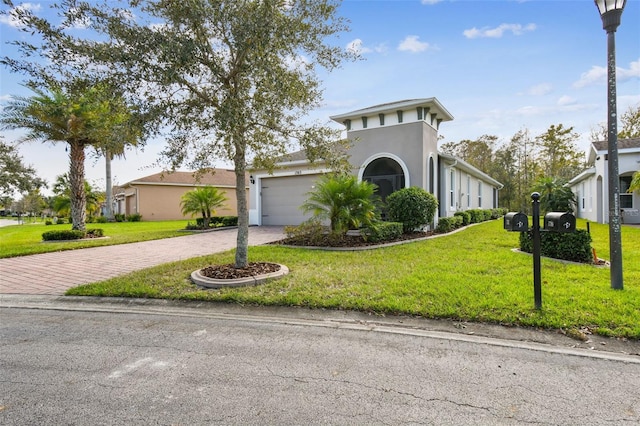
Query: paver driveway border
{"points": [[54, 273]]}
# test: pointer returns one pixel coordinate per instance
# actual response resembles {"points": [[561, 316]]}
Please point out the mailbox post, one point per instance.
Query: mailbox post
{"points": [[553, 222], [537, 279]]}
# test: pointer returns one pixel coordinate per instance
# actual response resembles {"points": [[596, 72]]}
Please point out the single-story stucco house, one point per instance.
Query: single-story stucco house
{"points": [[591, 187], [157, 197], [394, 146]]}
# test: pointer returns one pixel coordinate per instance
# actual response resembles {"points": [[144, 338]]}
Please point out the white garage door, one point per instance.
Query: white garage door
{"points": [[282, 198]]}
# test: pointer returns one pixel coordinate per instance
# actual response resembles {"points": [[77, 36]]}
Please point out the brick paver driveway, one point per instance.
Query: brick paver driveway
{"points": [[54, 273]]}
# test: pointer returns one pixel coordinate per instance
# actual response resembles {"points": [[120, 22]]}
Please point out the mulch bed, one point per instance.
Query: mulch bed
{"points": [[345, 241], [228, 272]]}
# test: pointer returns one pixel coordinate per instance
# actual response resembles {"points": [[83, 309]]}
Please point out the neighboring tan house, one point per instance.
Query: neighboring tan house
{"points": [[591, 187], [394, 146], [157, 197]]}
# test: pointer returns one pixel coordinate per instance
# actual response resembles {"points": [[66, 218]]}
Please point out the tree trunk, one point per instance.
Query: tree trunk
{"points": [[76, 181], [109, 188], [242, 244]]}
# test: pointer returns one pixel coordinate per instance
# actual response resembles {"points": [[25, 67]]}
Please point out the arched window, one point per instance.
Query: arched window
{"points": [[387, 173]]}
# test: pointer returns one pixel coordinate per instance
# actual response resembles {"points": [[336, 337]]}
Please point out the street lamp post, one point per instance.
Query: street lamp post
{"points": [[610, 12]]}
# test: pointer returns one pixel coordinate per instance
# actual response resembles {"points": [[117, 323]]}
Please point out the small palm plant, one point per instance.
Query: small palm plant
{"points": [[344, 202], [203, 200]]}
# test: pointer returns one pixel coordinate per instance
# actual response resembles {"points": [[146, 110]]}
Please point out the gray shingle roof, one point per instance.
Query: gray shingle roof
{"points": [[622, 144]]}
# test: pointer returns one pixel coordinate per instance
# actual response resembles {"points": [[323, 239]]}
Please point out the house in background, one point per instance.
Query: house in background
{"points": [[394, 146], [591, 187], [157, 197]]}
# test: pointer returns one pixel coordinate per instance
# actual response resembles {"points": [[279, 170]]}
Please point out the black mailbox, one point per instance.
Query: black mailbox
{"points": [[559, 222], [516, 222]]}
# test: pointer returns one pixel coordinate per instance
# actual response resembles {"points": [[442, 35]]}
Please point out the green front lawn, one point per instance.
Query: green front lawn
{"points": [[470, 275], [20, 240]]}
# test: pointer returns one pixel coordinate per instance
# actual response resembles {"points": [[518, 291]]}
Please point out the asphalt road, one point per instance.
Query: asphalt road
{"points": [[196, 366]]}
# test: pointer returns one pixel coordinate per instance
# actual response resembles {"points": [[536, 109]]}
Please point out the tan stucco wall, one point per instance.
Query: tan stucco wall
{"points": [[162, 202]]}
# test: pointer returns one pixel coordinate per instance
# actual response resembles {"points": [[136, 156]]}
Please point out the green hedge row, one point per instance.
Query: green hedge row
{"points": [[385, 231], [466, 217], [72, 234], [572, 246]]}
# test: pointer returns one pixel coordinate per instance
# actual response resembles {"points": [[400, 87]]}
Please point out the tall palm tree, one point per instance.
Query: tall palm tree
{"points": [[203, 200], [81, 116]]}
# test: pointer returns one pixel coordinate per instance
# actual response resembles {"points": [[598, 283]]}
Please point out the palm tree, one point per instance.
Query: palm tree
{"points": [[62, 200], [635, 182], [554, 196], [203, 200], [345, 202], [83, 116]]}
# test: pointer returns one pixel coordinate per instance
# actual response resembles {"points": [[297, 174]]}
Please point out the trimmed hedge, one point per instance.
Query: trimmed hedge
{"points": [[448, 224], [572, 246], [413, 207], [466, 217], [217, 222], [71, 234], [385, 231], [67, 234]]}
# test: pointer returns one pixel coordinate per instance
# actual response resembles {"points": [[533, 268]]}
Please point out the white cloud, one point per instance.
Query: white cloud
{"points": [[11, 17], [540, 89], [598, 75], [357, 47], [498, 31], [413, 44], [566, 100]]}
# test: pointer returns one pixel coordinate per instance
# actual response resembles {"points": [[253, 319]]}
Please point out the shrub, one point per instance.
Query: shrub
{"points": [[466, 217], [48, 222], [136, 217], [67, 234], [572, 246], [497, 213], [384, 231], [413, 207], [448, 224], [312, 232], [101, 219], [224, 221], [119, 217], [230, 220], [94, 233], [60, 221]]}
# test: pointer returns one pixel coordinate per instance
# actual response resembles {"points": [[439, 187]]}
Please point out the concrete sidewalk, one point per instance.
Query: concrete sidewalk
{"points": [[54, 273]]}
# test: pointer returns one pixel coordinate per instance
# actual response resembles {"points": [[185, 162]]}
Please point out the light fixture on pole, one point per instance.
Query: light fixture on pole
{"points": [[610, 12]]}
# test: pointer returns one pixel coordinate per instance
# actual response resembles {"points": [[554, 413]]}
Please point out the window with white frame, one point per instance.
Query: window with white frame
{"points": [[452, 181], [583, 198], [479, 193], [626, 198], [468, 191]]}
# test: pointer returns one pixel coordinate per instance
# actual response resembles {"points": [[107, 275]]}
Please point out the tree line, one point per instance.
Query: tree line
{"points": [[543, 163]]}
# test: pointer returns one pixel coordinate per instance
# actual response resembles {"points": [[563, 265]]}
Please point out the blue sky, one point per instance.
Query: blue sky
{"points": [[498, 66]]}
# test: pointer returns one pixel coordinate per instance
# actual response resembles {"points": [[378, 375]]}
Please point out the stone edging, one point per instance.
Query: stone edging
{"points": [[204, 231], [566, 262], [207, 282], [75, 240], [377, 246]]}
